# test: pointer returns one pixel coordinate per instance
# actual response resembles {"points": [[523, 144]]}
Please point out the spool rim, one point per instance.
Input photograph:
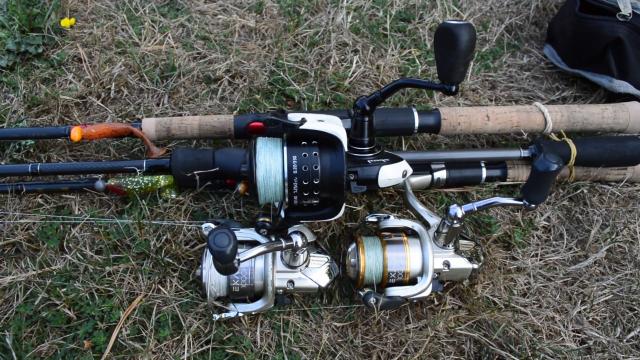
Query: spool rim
{"points": [[361, 261], [407, 262]]}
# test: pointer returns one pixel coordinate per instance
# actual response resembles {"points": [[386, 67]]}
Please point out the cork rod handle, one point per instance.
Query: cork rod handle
{"points": [[620, 118], [189, 127]]}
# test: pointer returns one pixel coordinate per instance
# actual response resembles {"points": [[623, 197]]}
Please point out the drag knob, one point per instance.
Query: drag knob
{"points": [[223, 246]]}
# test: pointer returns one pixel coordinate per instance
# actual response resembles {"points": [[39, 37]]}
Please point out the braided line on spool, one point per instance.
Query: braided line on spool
{"points": [[269, 170], [385, 263], [374, 256]]}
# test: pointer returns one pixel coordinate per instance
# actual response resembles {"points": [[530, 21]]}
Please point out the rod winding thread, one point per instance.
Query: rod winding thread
{"points": [[269, 170], [572, 157]]}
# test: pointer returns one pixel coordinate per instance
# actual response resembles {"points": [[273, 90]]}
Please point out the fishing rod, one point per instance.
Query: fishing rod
{"points": [[309, 172], [454, 44], [613, 118], [425, 176], [436, 175]]}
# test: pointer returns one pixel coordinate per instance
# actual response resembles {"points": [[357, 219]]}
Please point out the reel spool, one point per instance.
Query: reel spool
{"points": [[385, 259], [246, 285], [263, 268]]}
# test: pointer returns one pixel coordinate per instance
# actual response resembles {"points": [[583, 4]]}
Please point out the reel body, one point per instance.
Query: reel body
{"points": [[253, 287], [406, 260]]}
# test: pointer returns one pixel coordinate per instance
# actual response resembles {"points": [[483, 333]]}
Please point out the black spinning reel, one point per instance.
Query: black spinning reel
{"points": [[304, 161]]}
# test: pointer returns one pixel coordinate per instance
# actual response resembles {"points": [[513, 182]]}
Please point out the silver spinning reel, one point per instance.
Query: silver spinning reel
{"points": [[249, 270], [394, 261], [398, 260]]}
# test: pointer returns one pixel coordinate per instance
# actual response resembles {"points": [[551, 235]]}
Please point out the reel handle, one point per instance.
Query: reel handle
{"points": [[544, 170], [454, 43], [223, 246]]}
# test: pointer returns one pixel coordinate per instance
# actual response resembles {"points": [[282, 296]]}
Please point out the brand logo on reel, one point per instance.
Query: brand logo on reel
{"points": [[375, 161]]}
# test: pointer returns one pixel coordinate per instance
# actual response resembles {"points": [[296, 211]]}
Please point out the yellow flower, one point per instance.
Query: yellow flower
{"points": [[67, 23]]}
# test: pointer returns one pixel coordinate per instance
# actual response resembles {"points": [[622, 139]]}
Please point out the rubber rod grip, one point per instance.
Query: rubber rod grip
{"points": [[459, 175], [618, 118], [195, 168], [600, 151], [544, 170], [518, 172], [189, 127]]}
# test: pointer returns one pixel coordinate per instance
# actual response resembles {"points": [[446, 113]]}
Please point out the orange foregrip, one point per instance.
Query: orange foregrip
{"points": [[113, 130]]}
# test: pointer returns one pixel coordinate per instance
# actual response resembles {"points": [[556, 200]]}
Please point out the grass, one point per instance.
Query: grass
{"points": [[24, 29], [560, 282]]}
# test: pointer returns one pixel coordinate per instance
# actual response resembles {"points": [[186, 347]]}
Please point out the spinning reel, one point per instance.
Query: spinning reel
{"points": [[392, 261], [251, 270], [304, 162], [397, 260]]}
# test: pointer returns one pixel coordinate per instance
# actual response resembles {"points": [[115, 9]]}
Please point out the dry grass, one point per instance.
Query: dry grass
{"points": [[561, 282]]}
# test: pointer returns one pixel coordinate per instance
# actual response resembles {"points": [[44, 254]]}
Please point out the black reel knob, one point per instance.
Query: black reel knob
{"points": [[223, 246], [544, 170], [454, 43]]}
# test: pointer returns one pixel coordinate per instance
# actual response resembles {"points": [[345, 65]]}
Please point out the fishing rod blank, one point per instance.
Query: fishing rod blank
{"points": [[146, 166], [77, 133], [35, 133], [472, 155], [121, 186], [53, 186], [426, 176]]}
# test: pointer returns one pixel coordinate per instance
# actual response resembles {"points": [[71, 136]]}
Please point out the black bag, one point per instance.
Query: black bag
{"points": [[599, 40]]}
